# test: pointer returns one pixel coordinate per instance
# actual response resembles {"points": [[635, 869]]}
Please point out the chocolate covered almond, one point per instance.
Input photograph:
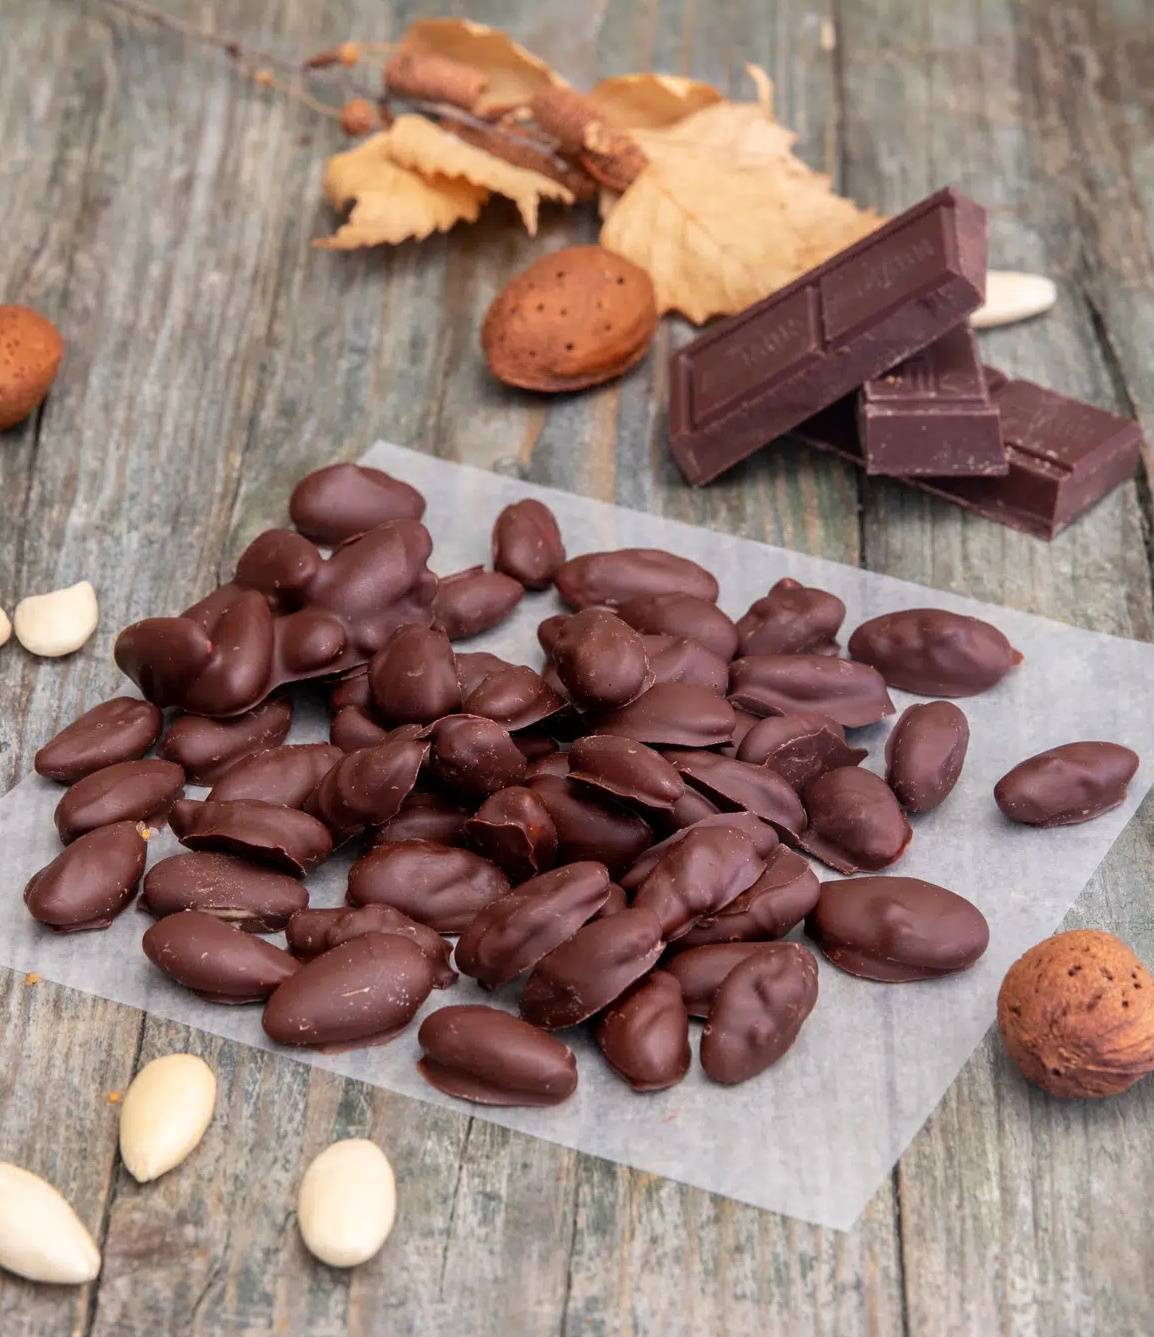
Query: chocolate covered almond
{"points": [[850, 693], [626, 769], [701, 970], [270, 833], [332, 504], [610, 578], [206, 747], [742, 785], [792, 619], [516, 697], [121, 729], [699, 876], [88, 884], [472, 601], [490, 1057], [285, 775], [216, 960], [600, 660], [589, 826], [433, 884], [514, 932], [925, 753], [527, 543], [897, 929], [413, 676], [763, 836], [368, 786], [644, 1034], [682, 615], [672, 714], [242, 893], [757, 1011], [425, 816], [474, 757], [364, 992], [776, 903], [355, 923], [1067, 785], [127, 791], [934, 652], [679, 659], [799, 747], [595, 966], [513, 829], [354, 727], [855, 821]]}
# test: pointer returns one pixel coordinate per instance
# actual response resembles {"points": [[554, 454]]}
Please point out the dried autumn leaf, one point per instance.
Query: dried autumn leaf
{"points": [[512, 74], [419, 144], [740, 134], [715, 239], [393, 203], [650, 101]]}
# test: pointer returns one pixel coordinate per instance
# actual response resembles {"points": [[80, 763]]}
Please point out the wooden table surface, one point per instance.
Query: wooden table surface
{"points": [[159, 208]]}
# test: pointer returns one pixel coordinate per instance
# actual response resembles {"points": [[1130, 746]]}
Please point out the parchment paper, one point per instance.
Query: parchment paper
{"points": [[813, 1136]]}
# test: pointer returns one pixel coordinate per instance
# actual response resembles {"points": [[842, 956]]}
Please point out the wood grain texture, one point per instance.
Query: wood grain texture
{"points": [[160, 209]]}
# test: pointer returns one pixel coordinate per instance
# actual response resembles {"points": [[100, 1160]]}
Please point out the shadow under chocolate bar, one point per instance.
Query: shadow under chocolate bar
{"points": [[1063, 455], [756, 375], [932, 414]]}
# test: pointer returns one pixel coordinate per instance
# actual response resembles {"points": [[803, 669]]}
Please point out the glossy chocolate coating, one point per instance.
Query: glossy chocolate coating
{"points": [[206, 748], [683, 615], [589, 826], [672, 714], [368, 786], [363, 992], [513, 829], [490, 1057], [611, 578], [307, 931], [126, 791], [334, 503], [776, 903], [425, 817], [88, 884], [433, 884], [311, 617], [645, 1034], [269, 833], [897, 929], [933, 652], [216, 960], [742, 785], [925, 753], [510, 935], [855, 821], [516, 697], [679, 659], [763, 836], [245, 894], [473, 756], [414, 677], [1066, 785], [625, 769], [757, 1011], [701, 970], [799, 747], [472, 601], [121, 729], [597, 964], [699, 876], [792, 619], [600, 660], [690, 809], [527, 543], [355, 727], [851, 694], [474, 666], [615, 902], [285, 775], [348, 924]]}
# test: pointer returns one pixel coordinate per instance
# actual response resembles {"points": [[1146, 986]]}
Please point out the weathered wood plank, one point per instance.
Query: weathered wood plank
{"points": [[1017, 1211]]}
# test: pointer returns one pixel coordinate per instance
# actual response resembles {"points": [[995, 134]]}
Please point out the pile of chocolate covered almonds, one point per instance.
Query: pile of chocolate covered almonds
{"points": [[617, 839]]}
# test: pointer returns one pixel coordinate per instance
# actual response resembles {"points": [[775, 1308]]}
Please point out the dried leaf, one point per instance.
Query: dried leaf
{"points": [[392, 202], [715, 238], [512, 74], [740, 134], [417, 143], [650, 101]]}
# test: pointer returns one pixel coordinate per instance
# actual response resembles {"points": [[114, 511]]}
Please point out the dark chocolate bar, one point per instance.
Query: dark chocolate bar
{"points": [[1063, 455], [761, 372], [932, 414]]}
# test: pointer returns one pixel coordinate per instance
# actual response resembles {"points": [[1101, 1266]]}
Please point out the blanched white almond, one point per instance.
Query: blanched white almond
{"points": [[164, 1114], [57, 623], [1012, 296], [5, 627], [347, 1202], [41, 1237]]}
